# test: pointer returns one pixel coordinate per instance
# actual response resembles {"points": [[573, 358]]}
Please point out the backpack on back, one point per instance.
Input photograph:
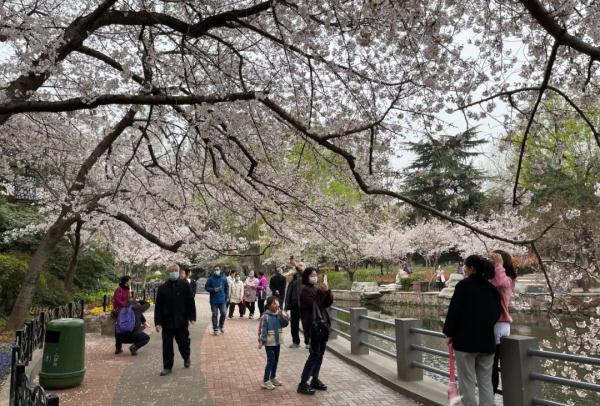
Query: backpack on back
{"points": [[125, 320]]}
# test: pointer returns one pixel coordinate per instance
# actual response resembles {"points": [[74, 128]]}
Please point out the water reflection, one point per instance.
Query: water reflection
{"points": [[432, 318]]}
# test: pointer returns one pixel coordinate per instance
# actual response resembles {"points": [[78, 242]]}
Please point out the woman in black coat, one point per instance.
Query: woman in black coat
{"points": [[313, 300], [469, 326]]}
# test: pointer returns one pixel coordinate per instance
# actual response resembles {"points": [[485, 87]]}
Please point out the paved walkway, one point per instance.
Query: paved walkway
{"points": [[226, 370]]}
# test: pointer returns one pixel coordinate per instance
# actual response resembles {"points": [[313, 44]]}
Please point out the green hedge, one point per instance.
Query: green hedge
{"points": [[12, 271]]}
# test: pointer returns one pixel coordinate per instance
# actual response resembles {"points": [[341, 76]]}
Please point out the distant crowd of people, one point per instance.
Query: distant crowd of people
{"points": [[478, 317], [279, 303]]}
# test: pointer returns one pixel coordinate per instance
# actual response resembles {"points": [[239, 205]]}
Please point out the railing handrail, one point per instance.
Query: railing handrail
{"points": [[431, 369], [428, 350], [375, 319], [565, 382], [426, 332], [339, 309], [380, 335], [581, 359], [379, 349]]}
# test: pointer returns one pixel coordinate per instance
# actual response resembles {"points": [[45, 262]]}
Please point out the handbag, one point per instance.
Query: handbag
{"points": [[452, 386], [319, 329]]}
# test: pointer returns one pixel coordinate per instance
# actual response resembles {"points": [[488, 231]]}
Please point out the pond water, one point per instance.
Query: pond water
{"points": [[526, 324]]}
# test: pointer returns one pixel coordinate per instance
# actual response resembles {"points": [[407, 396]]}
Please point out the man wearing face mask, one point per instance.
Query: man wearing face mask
{"points": [[218, 288], [173, 312]]}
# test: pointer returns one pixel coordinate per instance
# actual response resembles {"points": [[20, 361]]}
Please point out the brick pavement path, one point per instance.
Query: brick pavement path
{"points": [[226, 370], [233, 368]]}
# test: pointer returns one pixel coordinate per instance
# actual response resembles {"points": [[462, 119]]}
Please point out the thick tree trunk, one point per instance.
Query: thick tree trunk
{"points": [[70, 274], [36, 266]]}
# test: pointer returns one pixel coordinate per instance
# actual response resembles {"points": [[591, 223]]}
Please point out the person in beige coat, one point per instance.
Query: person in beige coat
{"points": [[236, 295]]}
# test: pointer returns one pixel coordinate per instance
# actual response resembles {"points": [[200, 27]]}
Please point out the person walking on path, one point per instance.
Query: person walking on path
{"points": [[218, 287], [277, 285], [261, 292], [193, 284], [270, 336], [250, 289], [313, 307], [473, 312], [136, 336], [504, 281], [174, 311], [236, 295], [291, 306]]}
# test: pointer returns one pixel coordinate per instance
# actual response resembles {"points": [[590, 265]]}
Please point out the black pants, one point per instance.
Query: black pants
{"points": [[241, 308], [495, 372], [314, 361], [295, 323], [182, 336], [251, 308], [261, 306], [138, 339]]}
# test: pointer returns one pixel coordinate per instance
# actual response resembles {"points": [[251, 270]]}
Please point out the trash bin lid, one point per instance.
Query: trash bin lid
{"points": [[61, 324]]}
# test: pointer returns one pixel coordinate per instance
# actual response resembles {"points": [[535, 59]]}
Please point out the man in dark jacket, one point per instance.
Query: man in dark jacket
{"points": [[137, 337], [174, 311], [291, 305], [473, 311], [277, 285]]}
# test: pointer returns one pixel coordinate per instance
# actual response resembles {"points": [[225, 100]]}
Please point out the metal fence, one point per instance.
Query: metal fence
{"points": [[27, 340], [519, 356]]}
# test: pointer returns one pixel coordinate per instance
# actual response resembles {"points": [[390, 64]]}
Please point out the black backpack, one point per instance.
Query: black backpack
{"points": [[319, 329]]}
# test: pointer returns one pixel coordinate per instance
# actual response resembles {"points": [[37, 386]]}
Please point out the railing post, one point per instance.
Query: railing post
{"points": [[405, 356], [13, 377], [52, 400], [104, 303], [81, 309], [70, 309], [333, 314], [20, 374], [356, 335], [42, 320], [518, 389]]}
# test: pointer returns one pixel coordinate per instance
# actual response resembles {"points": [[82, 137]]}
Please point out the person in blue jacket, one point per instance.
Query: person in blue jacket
{"points": [[218, 288]]}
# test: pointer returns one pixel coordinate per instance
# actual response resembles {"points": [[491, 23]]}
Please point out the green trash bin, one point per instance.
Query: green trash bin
{"points": [[63, 364]]}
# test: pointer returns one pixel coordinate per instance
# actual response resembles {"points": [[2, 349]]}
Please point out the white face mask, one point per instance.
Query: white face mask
{"points": [[313, 280]]}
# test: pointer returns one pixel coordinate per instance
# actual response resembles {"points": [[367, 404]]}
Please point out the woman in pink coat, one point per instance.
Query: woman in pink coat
{"points": [[261, 292]]}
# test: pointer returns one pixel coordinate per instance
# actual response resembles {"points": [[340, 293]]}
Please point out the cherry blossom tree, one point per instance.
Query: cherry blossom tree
{"points": [[430, 239], [389, 244], [172, 116]]}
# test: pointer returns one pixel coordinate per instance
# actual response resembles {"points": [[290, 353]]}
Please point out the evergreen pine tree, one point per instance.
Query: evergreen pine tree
{"points": [[443, 175]]}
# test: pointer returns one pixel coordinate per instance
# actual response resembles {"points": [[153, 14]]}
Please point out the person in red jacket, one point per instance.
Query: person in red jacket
{"points": [[122, 294], [121, 300]]}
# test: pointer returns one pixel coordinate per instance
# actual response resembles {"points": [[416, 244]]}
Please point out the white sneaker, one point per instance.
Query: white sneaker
{"points": [[267, 385], [275, 382]]}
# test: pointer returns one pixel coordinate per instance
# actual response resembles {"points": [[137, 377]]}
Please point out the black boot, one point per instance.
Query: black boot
{"points": [[317, 385], [305, 389]]}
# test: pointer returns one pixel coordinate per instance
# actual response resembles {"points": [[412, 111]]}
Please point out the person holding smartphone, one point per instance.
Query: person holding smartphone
{"points": [[314, 301]]}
